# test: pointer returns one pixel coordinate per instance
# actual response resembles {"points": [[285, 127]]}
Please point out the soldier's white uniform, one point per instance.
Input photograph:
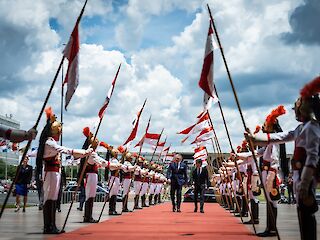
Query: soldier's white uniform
{"points": [[145, 183], [114, 181], [93, 163], [128, 170]]}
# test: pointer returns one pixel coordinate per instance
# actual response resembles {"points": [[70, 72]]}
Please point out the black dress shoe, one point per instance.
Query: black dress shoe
{"points": [[173, 209], [201, 211], [80, 209], [267, 233], [126, 210], [250, 222], [178, 210], [195, 210], [114, 213]]}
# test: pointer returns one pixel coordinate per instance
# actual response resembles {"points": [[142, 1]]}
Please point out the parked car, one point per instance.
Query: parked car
{"points": [[101, 192], [208, 195]]}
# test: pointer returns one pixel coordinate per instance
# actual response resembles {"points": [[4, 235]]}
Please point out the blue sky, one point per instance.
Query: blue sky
{"points": [[272, 49]]}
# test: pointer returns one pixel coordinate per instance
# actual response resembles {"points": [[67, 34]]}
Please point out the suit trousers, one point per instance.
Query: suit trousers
{"points": [[199, 190], [175, 190]]}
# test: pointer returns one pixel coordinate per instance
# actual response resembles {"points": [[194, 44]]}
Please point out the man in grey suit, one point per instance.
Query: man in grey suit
{"points": [[177, 173]]}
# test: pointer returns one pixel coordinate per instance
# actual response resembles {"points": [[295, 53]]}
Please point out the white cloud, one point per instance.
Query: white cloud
{"points": [[167, 76]]}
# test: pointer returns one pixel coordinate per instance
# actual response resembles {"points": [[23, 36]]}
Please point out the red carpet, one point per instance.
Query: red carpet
{"points": [[159, 222]]}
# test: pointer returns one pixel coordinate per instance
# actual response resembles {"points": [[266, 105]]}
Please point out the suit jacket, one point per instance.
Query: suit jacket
{"points": [[178, 175], [201, 179]]}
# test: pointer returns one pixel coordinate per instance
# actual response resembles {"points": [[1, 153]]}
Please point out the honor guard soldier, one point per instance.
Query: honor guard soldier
{"points": [[159, 184], [91, 175], [137, 181], [153, 184], [270, 167], [49, 153], [128, 170], [305, 161], [145, 183], [114, 181]]}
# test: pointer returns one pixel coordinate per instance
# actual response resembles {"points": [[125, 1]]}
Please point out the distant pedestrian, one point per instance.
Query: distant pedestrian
{"points": [[23, 183], [290, 189]]}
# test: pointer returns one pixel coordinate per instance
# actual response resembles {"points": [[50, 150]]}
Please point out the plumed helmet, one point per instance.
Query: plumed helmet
{"points": [[307, 106], [121, 149], [128, 156], [114, 152], [140, 160], [56, 126], [94, 142], [272, 119]]}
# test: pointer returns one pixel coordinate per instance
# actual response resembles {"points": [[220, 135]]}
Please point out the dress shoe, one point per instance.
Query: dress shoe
{"points": [[173, 209], [178, 210], [114, 213], [195, 210], [201, 211], [80, 209], [267, 233], [250, 222]]}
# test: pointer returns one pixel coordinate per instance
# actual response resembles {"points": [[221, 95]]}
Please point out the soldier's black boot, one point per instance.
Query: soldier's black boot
{"points": [[125, 204], [47, 229], [143, 201], [113, 200], [91, 220], [150, 200], [55, 230], [136, 202], [271, 222], [159, 198], [111, 209], [255, 212], [244, 209], [86, 216]]}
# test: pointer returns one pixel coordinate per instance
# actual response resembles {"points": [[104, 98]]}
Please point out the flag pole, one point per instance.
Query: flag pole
{"points": [[161, 150], [143, 140], [156, 145], [86, 159], [241, 115]]}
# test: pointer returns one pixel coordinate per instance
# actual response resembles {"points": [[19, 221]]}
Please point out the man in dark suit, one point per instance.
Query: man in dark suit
{"points": [[201, 182], [177, 173]]}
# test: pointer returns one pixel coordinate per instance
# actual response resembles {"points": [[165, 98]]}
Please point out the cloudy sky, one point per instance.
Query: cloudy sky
{"points": [[272, 48]]}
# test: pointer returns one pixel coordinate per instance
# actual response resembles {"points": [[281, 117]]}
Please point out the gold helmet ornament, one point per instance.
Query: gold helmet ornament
{"points": [[114, 152], [307, 105], [140, 160], [56, 127], [128, 157]]}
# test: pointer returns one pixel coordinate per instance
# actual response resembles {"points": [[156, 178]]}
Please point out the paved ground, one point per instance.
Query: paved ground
{"points": [[28, 225]]}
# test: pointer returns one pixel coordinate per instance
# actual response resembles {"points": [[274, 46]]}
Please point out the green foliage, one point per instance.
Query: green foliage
{"points": [[11, 170]]}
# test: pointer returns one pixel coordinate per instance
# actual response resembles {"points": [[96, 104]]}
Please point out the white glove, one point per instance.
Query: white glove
{"points": [[88, 151], [306, 179], [260, 139], [270, 178]]}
